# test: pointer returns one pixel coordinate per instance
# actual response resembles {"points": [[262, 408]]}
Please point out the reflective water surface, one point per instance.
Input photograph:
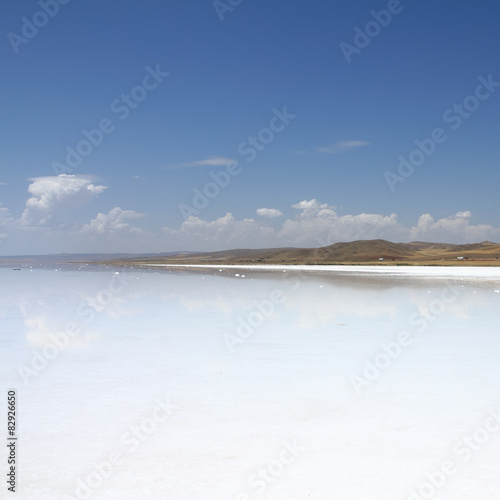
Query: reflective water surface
{"points": [[239, 384]]}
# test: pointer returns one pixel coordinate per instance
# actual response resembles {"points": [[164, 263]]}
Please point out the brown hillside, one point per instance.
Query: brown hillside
{"points": [[356, 252]]}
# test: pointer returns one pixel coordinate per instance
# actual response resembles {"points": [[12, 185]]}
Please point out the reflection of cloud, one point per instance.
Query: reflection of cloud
{"points": [[328, 304], [431, 304], [48, 309], [46, 319], [41, 331], [222, 295], [314, 306], [312, 301]]}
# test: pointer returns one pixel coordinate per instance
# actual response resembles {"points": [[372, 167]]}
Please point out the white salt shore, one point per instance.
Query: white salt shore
{"points": [[427, 271]]}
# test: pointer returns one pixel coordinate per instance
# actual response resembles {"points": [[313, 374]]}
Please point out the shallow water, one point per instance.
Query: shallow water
{"points": [[237, 384]]}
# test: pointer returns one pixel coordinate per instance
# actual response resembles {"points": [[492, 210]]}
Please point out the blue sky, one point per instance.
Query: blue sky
{"points": [[330, 107]]}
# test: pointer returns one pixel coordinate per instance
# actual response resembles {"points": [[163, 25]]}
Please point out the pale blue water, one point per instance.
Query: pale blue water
{"points": [[268, 385]]}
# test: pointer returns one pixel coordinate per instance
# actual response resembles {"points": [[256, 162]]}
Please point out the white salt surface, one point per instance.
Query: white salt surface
{"points": [[297, 385], [419, 271]]}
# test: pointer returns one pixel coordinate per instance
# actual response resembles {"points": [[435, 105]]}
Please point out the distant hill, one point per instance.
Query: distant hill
{"points": [[356, 252], [380, 252]]}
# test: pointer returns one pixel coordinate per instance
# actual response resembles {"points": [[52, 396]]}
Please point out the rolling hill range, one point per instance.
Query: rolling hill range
{"points": [[356, 252]]}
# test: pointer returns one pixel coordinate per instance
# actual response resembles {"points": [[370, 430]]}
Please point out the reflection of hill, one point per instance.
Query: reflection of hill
{"points": [[355, 252]]}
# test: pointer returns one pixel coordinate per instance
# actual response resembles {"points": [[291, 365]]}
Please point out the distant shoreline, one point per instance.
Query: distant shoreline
{"points": [[489, 263], [354, 253]]}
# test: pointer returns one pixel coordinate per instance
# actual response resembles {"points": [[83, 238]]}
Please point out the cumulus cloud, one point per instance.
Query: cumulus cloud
{"points": [[269, 213], [52, 194], [342, 146], [452, 228], [313, 208], [219, 233], [318, 224], [113, 223], [314, 224], [213, 161]]}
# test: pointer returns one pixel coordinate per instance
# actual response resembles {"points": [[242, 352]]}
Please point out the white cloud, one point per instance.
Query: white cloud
{"points": [[314, 224], [313, 208], [220, 233], [342, 146], [269, 213], [318, 224], [113, 223], [213, 161], [55, 193], [453, 228]]}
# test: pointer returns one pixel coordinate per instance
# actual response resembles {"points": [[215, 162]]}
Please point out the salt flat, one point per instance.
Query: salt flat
{"points": [[338, 383], [421, 271]]}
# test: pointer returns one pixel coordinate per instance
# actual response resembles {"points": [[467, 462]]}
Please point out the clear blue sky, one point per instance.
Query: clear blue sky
{"points": [[353, 107]]}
